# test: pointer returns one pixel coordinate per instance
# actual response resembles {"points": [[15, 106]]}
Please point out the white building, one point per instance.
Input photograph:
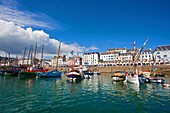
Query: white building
{"points": [[90, 58], [146, 56], [107, 56], [162, 54], [125, 57]]}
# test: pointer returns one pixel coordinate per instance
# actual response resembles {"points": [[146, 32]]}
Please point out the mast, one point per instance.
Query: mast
{"points": [[42, 55], [16, 61], [5, 60], [8, 59], [29, 55], [136, 56], [35, 50], [23, 56], [58, 53], [32, 54]]}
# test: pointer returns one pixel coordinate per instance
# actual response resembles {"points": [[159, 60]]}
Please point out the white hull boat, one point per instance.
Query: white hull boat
{"points": [[132, 79]]}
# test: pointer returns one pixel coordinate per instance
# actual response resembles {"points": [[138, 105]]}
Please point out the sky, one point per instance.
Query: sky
{"points": [[82, 25]]}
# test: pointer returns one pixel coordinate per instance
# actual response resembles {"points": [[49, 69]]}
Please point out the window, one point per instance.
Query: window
{"points": [[165, 55]]}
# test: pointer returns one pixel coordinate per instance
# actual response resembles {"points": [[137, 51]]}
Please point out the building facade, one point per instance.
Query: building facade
{"points": [[162, 54], [90, 59]]}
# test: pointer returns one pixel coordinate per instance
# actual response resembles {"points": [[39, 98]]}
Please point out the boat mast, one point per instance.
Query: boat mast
{"points": [[29, 55], [58, 53], [42, 55], [8, 59], [16, 60], [138, 54], [32, 54], [35, 53], [5, 60], [23, 56]]}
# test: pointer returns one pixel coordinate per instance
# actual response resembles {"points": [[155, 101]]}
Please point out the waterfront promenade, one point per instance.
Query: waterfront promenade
{"points": [[165, 69]]}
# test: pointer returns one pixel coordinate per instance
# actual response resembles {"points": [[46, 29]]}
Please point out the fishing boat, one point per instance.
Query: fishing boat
{"points": [[52, 73], [118, 76]]}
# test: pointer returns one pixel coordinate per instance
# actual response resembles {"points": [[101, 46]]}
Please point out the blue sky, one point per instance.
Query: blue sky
{"points": [[102, 23]]}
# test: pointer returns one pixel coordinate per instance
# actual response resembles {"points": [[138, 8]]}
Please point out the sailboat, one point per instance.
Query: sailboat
{"points": [[52, 73], [73, 74], [133, 77]]}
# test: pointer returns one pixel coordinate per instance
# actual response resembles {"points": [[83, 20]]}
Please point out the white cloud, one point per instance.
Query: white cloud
{"points": [[14, 39], [9, 12]]}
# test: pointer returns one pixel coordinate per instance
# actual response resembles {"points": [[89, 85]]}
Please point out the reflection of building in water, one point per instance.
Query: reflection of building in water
{"points": [[91, 84]]}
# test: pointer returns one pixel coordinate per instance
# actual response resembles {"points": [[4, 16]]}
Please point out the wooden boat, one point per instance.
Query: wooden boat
{"points": [[52, 73], [30, 72], [118, 76]]}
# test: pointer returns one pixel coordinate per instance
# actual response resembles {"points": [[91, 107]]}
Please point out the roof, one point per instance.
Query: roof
{"points": [[91, 53], [147, 50], [116, 49], [162, 48]]}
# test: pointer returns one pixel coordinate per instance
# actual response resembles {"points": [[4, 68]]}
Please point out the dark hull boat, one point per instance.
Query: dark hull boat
{"points": [[151, 80], [9, 73], [159, 75]]}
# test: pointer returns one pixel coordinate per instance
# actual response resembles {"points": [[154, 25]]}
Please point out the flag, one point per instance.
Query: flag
{"points": [[72, 52], [134, 43]]}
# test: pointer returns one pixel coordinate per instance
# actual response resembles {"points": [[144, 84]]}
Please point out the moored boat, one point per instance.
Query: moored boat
{"points": [[155, 80], [159, 74], [52, 73], [118, 76], [132, 78], [73, 75]]}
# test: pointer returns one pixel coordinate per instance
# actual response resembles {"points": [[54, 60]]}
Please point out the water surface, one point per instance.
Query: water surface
{"points": [[99, 94]]}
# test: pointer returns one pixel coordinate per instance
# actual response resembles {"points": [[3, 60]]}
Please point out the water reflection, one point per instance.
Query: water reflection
{"points": [[101, 92]]}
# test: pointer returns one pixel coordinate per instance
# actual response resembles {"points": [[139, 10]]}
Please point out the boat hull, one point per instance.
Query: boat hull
{"points": [[132, 79], [52, 73], [118, 78], [73, 76]]}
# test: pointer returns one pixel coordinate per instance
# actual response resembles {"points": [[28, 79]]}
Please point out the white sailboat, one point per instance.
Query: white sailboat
{"points": [[133, 77]]}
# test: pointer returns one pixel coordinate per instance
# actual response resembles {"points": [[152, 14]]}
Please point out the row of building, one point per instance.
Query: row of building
{"points": [[112, 57], [119, 56]]}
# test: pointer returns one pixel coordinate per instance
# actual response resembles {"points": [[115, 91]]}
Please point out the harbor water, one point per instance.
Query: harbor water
{"points": [[97, 95]]}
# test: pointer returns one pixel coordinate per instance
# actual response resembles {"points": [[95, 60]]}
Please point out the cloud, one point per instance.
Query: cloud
{"points": [[9, 12], [14, 39]]}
